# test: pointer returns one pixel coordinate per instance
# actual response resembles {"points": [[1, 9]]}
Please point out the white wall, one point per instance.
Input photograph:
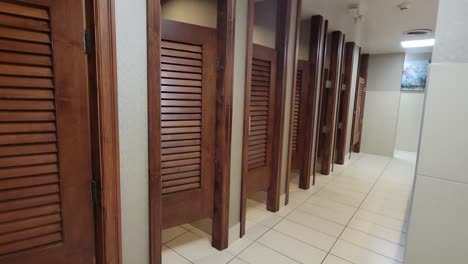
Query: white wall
{"points": [[409, 120], [200, 12], [410, 113], [437, 228], [382, 103], [440, 212], [240, 47], [132, 97]]}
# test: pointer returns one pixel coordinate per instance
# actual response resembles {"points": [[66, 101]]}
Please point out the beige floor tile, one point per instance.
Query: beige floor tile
{"points": [[342, 196], [171, 257], [379, 231], [192, 246], [382, 220], [254, 230], [237, 261], [221, 257], [327, 203], [171, 233], [257, 214], [330, 259], [259, 254], [239, 245], [292, 248], [305, 234], [317, 223], [285, 210], [299, 196], [338, 216], [355, 254], [372, 243]]}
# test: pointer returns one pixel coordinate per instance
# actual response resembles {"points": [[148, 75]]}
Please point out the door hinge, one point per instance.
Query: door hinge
{"points": [[93, 192], [88, 43], [328, 84]]}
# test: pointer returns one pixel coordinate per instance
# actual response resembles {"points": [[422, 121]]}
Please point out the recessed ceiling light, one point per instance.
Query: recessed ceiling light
{"points": [[418, 32], [417, 43]]}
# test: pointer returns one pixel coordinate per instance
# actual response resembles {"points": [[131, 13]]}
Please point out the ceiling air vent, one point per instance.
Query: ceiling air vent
{"points": [[418, 32]]}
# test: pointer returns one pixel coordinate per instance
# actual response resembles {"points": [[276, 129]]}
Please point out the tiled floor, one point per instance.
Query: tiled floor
{"points": [[356, 215]]}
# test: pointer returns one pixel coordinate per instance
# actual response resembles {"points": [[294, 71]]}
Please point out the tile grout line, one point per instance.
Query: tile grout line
{"points": [[374, 236], [272, 227], [301, 203], [388, 163]]}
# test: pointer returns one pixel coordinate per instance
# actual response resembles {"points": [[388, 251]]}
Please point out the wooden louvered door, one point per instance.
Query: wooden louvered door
{"points": [[46, 214], [261, 118], [357, 126], [188, 112], [300, 104]]}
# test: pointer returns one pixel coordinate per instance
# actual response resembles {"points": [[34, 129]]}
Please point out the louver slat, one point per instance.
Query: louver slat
{"points": [[259, 111], [181, 121], [30, 200]]}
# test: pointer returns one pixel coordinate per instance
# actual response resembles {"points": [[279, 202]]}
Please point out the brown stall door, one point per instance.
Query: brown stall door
{"points": [[188, 116], [358, 113], [46, 214], [300, 104], [261, 118]]}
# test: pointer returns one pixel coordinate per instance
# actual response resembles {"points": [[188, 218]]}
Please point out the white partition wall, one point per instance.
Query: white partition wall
{"points": [[438, 231]]}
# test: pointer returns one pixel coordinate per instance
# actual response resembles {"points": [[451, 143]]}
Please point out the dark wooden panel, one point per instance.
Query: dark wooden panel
{"points": [[359, 103], [317, 57], [343, 118], [336, 57], [45, 163], [187, 126], [260, 116]]}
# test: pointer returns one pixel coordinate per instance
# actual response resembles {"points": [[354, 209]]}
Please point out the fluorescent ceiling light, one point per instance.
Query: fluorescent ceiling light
{"points": [[417, 43]]}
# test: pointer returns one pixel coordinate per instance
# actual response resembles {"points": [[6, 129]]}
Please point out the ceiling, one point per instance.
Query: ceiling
{"points": [[382, 29]]}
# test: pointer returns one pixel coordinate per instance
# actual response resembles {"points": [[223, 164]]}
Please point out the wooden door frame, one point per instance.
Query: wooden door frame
{"points": [[346, 101], [293, 95], [283, 17], [362, 72], [102, 70], [317, 54], [225, 66], [318, 32], [283, 24], [337, 42], [339, 101]]}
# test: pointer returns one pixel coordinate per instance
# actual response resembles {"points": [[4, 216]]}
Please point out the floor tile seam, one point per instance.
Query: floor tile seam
{"points": [[255, 240], [344, 205], [177, 253], [358, 208], [185, 232], [380, 225], [268, 248], [382, 215], [375, 236], [321, 217], [312, 228], [369, 250], [286, 217], [307, 243]]}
